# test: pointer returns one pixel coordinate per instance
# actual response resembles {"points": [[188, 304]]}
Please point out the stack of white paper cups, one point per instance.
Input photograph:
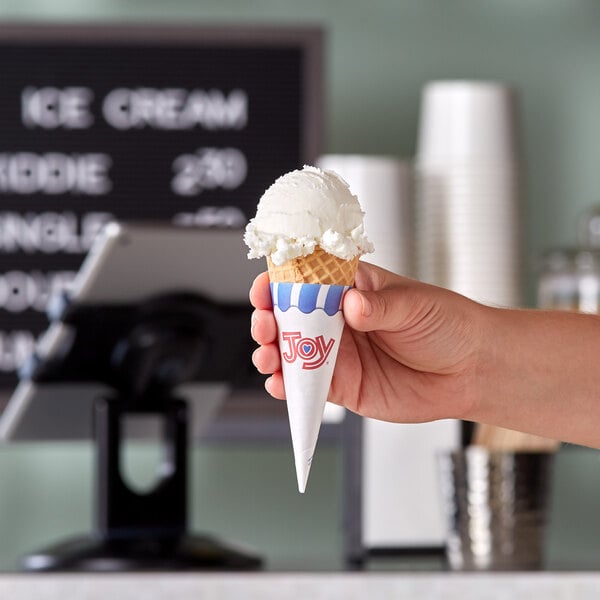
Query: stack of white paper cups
{"points": [[467, 190]]}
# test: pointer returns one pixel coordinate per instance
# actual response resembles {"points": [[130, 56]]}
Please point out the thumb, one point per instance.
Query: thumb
{"points": [[374, 310]]}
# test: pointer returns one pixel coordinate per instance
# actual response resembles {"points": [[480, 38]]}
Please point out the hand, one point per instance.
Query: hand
{"points": [[409, 352]]}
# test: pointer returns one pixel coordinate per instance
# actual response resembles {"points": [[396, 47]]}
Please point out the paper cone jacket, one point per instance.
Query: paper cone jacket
{"points": [[310, 324]]}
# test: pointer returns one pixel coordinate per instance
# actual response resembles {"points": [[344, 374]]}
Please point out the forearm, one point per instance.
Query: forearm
{"points": [[539, 371]]}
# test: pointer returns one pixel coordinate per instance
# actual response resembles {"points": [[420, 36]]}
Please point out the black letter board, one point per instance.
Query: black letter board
{"points": [[184, 124]]}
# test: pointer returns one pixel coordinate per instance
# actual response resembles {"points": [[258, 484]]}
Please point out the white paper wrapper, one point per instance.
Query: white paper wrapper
{"points": [[310, 324]]}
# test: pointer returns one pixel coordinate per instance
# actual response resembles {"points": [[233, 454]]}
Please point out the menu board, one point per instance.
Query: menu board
{"points": [[187, 125]]}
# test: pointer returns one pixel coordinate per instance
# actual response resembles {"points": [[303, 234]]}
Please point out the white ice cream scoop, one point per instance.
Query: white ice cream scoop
{"points": [[303, 209]]}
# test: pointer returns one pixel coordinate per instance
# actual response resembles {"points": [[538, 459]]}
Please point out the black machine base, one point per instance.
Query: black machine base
{"points": [[146, 355], [193, 553], [141, 532]]}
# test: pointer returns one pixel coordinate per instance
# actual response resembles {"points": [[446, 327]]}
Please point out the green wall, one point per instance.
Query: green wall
{"points": [[244, 493], [379, 54]]}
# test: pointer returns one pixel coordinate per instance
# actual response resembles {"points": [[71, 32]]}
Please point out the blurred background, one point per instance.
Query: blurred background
{"points": [[377, 60]]}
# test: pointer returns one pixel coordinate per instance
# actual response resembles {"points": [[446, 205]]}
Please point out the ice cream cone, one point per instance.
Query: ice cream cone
{"points": [[318, 267], [309, 226], [307, 298], [310, 325]]}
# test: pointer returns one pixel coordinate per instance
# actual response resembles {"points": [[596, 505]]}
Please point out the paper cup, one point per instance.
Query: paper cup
{"points": [[467, 121]]}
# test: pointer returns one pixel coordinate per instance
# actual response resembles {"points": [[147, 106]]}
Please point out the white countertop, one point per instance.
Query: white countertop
{"points": [[313, 586]]}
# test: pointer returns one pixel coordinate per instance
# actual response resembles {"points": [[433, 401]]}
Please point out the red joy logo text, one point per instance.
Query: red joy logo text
{"points": [[313, 352]]}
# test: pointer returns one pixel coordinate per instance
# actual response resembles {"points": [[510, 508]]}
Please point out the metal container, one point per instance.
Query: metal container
{"points": [[496, 505]]}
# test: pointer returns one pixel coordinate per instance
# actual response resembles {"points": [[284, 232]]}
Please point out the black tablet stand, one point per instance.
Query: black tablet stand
{"points": [[143, 353]]}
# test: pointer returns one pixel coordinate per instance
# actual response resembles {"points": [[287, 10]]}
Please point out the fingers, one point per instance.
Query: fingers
{"points": [[274, 385], [260, 292], [266, 359], [263, 327], [264, 331]]}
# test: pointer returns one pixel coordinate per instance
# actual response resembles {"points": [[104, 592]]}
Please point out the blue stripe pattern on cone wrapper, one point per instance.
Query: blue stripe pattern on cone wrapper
{"points": [[308, 297], [333, 301], [282, 295]]}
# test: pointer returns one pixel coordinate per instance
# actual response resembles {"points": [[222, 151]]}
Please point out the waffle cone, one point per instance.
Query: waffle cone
{"points": [[318, 267]]}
